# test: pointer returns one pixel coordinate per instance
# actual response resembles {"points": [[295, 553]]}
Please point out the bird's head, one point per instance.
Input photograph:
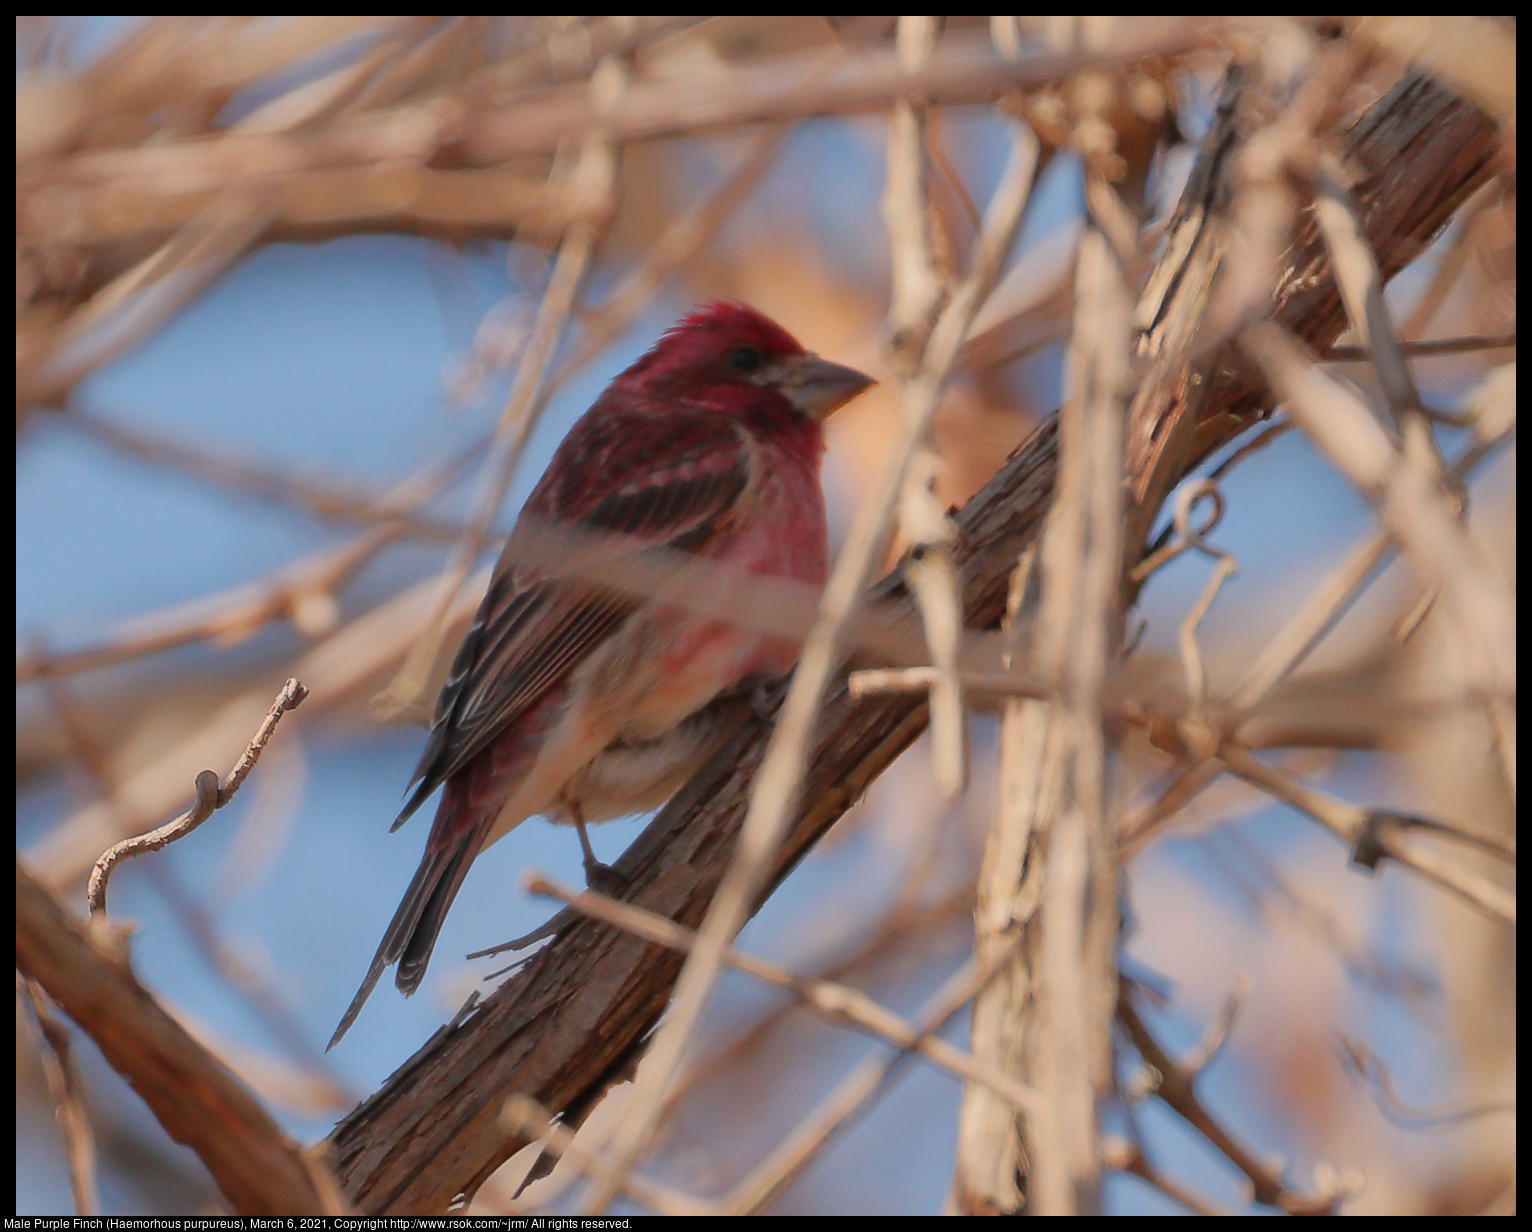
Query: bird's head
{"points": [[731, 358]]}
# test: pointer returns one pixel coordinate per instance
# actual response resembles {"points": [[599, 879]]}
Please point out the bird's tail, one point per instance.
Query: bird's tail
{"points": [[412, 933]]}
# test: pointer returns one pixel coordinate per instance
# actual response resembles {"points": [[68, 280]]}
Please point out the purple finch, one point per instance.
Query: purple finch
{"points": [[585, 704]]}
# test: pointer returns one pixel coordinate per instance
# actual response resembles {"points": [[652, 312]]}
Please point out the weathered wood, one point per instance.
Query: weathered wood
{"points": [[193, 1095]]}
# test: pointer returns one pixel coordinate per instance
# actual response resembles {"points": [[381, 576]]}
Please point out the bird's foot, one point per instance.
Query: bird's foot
{"points": [[604, 879], [765, 695]]}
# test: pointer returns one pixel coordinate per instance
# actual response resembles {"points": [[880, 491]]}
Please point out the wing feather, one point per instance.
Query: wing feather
{"points": [[668, 484]]}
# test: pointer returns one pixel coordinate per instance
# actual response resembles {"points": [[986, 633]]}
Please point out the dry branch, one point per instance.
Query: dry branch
{"points": [[963, 71], [834, 1002], [333, 669], [301, 592], [1412, 504], [856, 1092], [329, 497], [53, 1048], [574, 1019], [1070, 967], [1126, 1156], [211, 796], [770, 89], [258, 1168], [776, 790], [1373, 835], [1176, 1084]]}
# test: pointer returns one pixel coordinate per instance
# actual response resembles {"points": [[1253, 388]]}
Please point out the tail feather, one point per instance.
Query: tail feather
{"points": [[416, 951], [412, 932]]}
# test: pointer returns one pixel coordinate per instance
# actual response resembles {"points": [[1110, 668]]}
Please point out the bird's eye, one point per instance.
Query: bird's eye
{"points": [[746, 359]]}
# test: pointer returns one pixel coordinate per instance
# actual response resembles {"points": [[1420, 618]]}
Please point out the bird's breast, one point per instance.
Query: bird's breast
{"points": [[689, 659]]}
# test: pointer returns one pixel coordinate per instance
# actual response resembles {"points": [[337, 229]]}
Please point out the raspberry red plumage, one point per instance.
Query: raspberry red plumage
{"points": [[586, 704]]}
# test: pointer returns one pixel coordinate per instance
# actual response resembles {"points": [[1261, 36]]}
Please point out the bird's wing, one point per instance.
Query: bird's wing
{"points": [[665, 483]]}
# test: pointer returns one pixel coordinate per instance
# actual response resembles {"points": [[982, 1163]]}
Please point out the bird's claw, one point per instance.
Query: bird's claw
{"points": [[604, 879], [764, 694]]}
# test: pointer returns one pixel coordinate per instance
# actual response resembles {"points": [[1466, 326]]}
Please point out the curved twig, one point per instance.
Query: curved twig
{"points": [[211, 796]]}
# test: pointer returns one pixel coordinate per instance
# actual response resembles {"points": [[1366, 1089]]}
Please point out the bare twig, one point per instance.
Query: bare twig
{"points": [[1432, 346], [917, 287], [210, 797], [833, 1002], [1126, 1156], [1361, 288], [810, 84], [776, 785], [300, 592], [1449, 269], [337, 499], [1191, 653], [1194, 730], [1176, 1085], [197, 1100], [917, 290], [1260, 441], [870, 680], [1280, 899], [986, 1179], [523, 406], [933, 580], [905, 924], [524, 1116], [68, 1097], [1078, 630], [1324, 605], [1355, 825], [862, 1086], [1189, 782], [1217, 1033], [1371, 1069], [129, 309], [1411, 503]]}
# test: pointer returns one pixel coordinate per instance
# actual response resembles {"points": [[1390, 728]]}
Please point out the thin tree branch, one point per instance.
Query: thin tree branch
{"points": [[776, 788], [68, 1096], [1126, 1156], [1176, 1085], [200, 1104], [1431, 346], [1373, 834], [1411, 502], [595, 176], [836, 1003], [211, 795]]}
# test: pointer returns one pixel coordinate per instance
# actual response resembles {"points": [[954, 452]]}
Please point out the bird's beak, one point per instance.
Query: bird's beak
{"points": [[816, 387]]}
